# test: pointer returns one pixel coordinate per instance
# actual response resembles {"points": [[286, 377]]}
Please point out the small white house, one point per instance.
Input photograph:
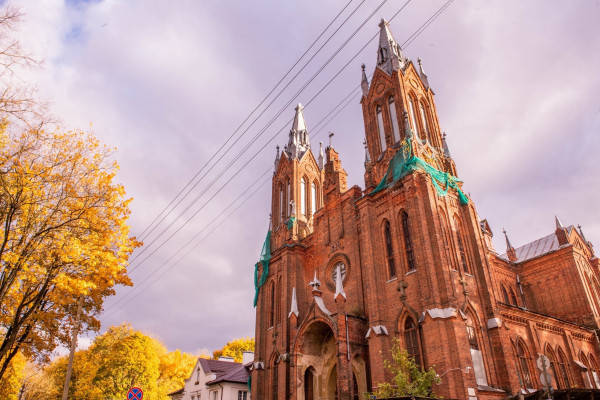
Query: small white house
{"points": [[221, 379]]}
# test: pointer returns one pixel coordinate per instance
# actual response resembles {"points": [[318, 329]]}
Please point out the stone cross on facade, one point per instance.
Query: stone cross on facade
{"points": [[464, 284]]}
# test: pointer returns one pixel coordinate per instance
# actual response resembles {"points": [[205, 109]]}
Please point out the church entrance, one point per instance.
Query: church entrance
{"points": [[317, 362]]}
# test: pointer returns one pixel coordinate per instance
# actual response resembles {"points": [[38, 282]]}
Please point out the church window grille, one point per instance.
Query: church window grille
{"points": [[411, 341], [408, 245], [461, 248], [413, 119], [389, 251], [381, 129], [394, 119], [303, 197], [504, 295], [524, 366], [424, 120], [562, 367], [272, 308]]}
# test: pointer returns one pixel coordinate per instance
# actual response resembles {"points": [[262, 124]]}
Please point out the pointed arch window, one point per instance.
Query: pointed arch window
{"points": [[513, 298], [281, 212], [288, 211], [381, 129], [389, 250], [413, 119], [275, 379], [411, 340], [595, 372], [523, 363], [313, 196], [272, 305], [303, 197], [552, 367], [476, 353], [446, 242], [408, 245], [587, 381], [424, 123], [394, 119], [562, 368], [461, 248], [278, 306], [504, 295]]}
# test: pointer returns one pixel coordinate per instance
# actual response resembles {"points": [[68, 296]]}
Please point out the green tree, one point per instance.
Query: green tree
{"points": [[235, 349], [408, 378]]}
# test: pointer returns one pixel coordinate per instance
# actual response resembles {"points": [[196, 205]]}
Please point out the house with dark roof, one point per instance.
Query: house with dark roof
{"points": [[221, 379]]}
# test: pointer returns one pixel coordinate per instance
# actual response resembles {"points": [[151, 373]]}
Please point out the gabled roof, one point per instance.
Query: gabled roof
{"points": [[539, 247], [225, 371]]}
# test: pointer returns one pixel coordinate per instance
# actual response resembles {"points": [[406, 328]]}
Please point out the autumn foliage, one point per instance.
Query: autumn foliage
{"points": [[235, 349]]}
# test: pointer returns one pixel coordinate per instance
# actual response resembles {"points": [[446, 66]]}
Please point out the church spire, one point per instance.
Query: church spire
{"points": [[510, 250], [321, 159], [299, 141], [422, 74], [364, 84], [389, 54]]}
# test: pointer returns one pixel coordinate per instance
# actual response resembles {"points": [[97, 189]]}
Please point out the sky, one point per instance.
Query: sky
{"points": [[167, 83]]}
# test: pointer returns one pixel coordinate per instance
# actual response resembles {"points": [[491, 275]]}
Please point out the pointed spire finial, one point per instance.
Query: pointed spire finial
{"points": [[315, 283], [294, 306], [364, 83], [331, 139], [299, 141], [270, 221], [339, 286], [445, 145], [321, 159], [508, 245], [276, 159], [422, 73], [559, 224], [581, 232]]}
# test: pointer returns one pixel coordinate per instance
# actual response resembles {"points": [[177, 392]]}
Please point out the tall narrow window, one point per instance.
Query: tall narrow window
{"points": [[278, 309], [303, 197], [595, 373], [272, 309], [524, 366], [562, 367], [552, 367], [513, 298], [281, 205], [504, 295], [313, 195], [381, 129], [411, 340], [476, 354], [408, 245], [288, 211], [424, 120], [389, 249], [446, 241], [413, 119], [394, 118], [461, 247], [587, 381], [275, 381]]}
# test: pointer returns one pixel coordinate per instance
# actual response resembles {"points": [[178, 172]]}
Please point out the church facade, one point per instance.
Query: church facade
{"points": [[344, 271]]}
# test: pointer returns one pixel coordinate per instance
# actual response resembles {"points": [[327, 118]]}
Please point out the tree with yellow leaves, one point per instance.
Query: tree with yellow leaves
{"points": [[63, 235], [235, 349]]}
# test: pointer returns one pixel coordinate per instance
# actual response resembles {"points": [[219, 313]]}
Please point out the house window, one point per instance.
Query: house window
{"points": [[380, 129], [408, 246], [389, 250], [524, 366], [394, 118], [213, 395], [411, 340], [303, 197], [242, 395]]}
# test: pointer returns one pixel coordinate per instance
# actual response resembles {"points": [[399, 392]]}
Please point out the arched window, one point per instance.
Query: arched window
{"points": [[380, 129], [313, 195], [461, 247], [281, 212], [446, 239], [411, 341], [394, 119], [476, 353], [552, 367], [504, 295], [587, 381], [595, 372], [523, 362], [513, 298], [272, 308], [278, 310], [424, 121], [389, 251], [288, 211], [413, 119], [408, 246], [562, 368], [275, 379], [303, 197]]}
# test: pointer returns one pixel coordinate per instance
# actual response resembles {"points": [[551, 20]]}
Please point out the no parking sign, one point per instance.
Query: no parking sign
{"points": [[135, 393]]}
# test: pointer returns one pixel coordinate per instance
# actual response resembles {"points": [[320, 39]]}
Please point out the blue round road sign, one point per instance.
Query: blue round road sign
{"points": [[135, 393]]}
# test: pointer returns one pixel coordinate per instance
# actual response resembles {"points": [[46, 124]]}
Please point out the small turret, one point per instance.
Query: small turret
{"points": [[389, 54], [422, 74], [510, 250], [276, 160], [299, 141], [364, 84], [321, 160]]}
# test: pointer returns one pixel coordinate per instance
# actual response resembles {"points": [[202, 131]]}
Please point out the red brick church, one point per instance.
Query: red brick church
{"points": [[346, 270]]}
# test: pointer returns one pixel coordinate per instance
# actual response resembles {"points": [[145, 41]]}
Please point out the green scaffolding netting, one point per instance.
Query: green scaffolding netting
{"points": [[291, 222], [265, 257], [404, 162]]}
